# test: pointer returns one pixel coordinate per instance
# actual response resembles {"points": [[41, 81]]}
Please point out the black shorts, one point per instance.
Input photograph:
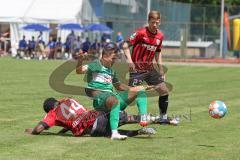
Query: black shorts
{"points": [[101, 126], [150, 77]]}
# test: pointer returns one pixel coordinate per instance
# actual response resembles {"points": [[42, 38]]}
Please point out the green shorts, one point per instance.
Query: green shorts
{"points": [[99, 101]]}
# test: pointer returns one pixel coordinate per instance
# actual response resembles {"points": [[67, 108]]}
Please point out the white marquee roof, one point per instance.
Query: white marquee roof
{"points": [[40, 11]]}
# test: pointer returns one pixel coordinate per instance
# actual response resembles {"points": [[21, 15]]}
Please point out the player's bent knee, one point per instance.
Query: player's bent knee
{"points": [[162, 89], [111, 101]]}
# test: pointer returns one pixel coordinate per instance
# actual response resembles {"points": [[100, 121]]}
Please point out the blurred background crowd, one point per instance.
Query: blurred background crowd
{"points": [[204, 29], [55, 47]]}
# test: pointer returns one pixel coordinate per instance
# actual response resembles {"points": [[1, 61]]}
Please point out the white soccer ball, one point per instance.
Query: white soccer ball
{"points": [[217, 109]]}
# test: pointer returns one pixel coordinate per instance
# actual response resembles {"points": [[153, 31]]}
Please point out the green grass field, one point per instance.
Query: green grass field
{"points": [[24, 85]]}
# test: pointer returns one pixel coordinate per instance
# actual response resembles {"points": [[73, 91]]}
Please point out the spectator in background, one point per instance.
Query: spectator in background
{"points": [[104, 37], [40, 36], [5, 44], [58, 48], [71, 39], [86, 45], [236, 54], [40, 41], [95, 48], [31, 47], [40, 49], [66, 49], [119, 42], [77, 45], [1, 46], [51, 45], [119, 39], [22, 47]]}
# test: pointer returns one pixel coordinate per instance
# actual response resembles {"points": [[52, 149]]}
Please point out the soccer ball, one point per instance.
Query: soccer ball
{"points": [[217, 109]]}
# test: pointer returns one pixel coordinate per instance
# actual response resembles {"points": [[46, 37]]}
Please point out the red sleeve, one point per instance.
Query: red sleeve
{"points": [[135, 38], [50, 118]]}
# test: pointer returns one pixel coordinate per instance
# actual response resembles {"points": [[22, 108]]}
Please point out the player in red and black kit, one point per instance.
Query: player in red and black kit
{"points": [[71, 115], [146, 45]]}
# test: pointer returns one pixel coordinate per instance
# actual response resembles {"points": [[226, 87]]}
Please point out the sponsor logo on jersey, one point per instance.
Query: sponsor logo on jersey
{"points": [[149, 47], [78, 120], [101, 77]]}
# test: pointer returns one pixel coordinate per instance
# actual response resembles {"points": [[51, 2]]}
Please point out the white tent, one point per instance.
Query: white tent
{"points": [[14, 10], [21, 12]]}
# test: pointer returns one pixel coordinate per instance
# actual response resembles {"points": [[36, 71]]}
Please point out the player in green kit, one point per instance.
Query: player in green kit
{"points": [[101, 79]]}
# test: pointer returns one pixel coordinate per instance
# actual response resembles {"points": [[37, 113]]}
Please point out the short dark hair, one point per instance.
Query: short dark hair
{"points": [[154, 14], [109, 47], [48, 104]]}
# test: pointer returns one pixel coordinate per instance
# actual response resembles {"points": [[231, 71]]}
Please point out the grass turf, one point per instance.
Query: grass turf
{"points": [[25, 84]]}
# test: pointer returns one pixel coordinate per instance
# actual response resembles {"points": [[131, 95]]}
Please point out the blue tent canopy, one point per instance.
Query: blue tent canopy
{"points": [[35, 27], [70, 26], [98, 27]]}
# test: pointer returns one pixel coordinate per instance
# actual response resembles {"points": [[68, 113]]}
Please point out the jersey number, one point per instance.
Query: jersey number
{"points": [[71, 110]]}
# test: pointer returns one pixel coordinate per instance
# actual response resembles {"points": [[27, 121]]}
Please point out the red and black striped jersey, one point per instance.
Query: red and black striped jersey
{"points": [[145, 45], [71, 115]]}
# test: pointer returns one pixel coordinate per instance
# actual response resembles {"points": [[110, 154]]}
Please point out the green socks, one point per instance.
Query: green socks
{"points": [[114, 116], [142, 102]]}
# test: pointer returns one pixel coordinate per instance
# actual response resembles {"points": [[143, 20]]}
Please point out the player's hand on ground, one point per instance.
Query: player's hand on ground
{"points": [[29, 130], [132, 67], [62, 131]]}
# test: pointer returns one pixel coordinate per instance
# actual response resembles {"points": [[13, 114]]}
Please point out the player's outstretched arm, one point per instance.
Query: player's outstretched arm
{"points": [[62, 131], [127, 53], [36, 130]]}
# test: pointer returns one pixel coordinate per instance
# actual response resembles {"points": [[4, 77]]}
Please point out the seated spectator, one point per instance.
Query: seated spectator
{"points": [[58, 47], [67, 46], [86, 45], [51, 48], [95, 48], [40, 49], [22, 48], [31, 47]]}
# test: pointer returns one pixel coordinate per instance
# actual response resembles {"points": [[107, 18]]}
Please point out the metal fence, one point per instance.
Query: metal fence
{"points": [[201, 22]]}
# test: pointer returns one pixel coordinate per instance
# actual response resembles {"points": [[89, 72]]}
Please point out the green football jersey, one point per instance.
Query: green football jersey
{"points": [[100, 77]]}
